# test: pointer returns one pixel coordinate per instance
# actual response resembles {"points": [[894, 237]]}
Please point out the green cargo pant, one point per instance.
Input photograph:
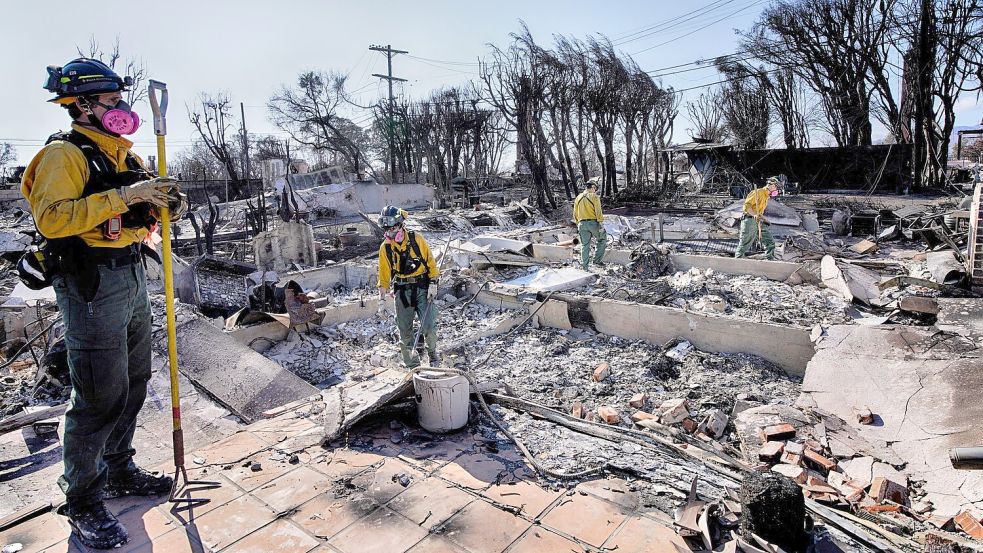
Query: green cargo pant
{"points": [[749, 233], [591, 230], [414, 306], [108, 341]]}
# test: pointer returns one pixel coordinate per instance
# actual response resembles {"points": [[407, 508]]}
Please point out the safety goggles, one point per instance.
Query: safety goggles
{"points": [[388, 221]]}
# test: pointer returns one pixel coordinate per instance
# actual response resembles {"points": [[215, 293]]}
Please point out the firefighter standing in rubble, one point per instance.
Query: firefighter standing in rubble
{"points": [[409, 269], [590, 224], [94, 203], [753, 223]]}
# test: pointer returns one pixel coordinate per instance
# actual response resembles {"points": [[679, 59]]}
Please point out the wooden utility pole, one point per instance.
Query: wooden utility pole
{"points": [[388, 49]]}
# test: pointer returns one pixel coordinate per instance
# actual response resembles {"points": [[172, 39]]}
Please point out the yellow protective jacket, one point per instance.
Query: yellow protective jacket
{"points": [[53, 184], [388, 268], [756, 202], [587, 207]]}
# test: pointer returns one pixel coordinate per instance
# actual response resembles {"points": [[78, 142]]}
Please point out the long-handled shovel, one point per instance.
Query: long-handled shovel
{"points": [[182, 485]]}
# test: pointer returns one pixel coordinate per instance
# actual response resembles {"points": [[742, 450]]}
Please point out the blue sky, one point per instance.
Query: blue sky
{"points": [[248, 48]]}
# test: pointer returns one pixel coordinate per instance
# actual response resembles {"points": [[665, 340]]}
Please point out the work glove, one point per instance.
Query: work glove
{"points": [[431, 291], [178, 205], [155, 191]]}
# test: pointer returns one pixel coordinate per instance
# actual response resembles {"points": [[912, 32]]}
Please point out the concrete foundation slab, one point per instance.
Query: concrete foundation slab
{"points": [[962, 315], [32, 463], [924, 389]]}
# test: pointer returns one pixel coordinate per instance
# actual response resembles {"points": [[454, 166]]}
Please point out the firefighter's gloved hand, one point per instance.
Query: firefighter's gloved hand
{"points": [[178, 204], [154, 191], [169, 185], [432, 291]]}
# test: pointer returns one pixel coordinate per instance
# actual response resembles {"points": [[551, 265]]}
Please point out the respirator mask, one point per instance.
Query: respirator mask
{"points": [[394, 234], [119, 119]]}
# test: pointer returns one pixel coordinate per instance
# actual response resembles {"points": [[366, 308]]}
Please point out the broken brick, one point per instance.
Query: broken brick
{"points": [[818, 460], [778, 432], [790, 458], [771, 451], [608, 414], [795, 473], [638, 400], [794, 447], [689, 425], [815, 479], [577, 411], [883, 489], [813, 445], [855, 495], [716, 423], [847, 488], [882, 508], [642, 416], [673, 411], [601, 372], [969, 524]]}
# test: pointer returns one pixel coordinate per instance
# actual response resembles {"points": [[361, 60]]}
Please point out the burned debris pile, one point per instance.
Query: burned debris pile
{"points": [[681, 373]]}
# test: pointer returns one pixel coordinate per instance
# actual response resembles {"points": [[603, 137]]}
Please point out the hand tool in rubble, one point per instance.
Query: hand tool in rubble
{"points": [[182, 486], [426, 313]]}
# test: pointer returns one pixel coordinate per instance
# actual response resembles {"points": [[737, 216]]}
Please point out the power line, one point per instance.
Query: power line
{"points": [[644, 28], [673, 23], [445, 62], [698, 29], [421, 60]]}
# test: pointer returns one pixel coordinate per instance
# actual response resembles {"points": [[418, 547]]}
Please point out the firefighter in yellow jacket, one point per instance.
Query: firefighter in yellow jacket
{"points": [[753, 224], [590, 224], [94, 203], [408, 270]]}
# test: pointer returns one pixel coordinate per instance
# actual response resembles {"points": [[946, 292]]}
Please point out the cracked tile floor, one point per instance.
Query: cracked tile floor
{"points": [[448, 495]]}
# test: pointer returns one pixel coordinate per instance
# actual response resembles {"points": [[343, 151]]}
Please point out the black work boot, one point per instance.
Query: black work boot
{"points": [[94, 526], [434, 358], [137, 482]]}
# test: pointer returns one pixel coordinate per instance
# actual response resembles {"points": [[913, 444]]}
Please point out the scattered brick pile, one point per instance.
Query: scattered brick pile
{"points": [[672, 412]]}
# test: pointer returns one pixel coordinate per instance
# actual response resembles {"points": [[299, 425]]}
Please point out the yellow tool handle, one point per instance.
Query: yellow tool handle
{"points": [[165, 233]]}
